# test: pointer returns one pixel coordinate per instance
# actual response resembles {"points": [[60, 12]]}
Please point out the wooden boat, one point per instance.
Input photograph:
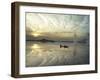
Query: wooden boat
{"points": [[63, 46]]}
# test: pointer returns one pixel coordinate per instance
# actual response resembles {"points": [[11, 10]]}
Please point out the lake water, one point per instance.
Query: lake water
{"points": [[50, 54]]}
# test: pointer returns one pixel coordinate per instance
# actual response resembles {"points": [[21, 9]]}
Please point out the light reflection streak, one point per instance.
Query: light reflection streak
{"points": [[35, 46]]}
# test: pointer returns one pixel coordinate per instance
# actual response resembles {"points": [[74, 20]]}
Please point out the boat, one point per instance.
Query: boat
{"points": [[63, 46]]}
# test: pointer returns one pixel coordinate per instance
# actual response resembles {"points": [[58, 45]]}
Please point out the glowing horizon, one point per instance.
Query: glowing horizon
{"points": [[39, 24]]}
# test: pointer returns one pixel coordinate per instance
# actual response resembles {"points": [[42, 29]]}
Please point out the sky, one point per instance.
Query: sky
{"points": [[57, 26]]}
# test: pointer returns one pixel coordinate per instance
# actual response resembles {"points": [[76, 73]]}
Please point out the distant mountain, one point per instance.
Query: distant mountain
{"points": [[70, 41], [46, 40], [43, 40]]}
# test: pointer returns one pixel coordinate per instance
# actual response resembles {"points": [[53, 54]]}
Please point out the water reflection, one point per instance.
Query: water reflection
{"points": [[34, 46], [50, 54]]}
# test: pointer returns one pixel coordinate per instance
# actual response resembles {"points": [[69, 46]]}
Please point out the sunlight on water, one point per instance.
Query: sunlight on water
{"points": [[34, 46], [50, 54]]}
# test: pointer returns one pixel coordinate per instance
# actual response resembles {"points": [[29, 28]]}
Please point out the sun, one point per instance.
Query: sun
{"points": [[35, 34]]}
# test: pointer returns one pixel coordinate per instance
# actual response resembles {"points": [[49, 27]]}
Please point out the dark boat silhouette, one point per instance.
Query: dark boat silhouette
{"points": [[63, 46]]}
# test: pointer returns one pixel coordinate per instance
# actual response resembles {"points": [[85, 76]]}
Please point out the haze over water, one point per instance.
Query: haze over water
{"points": [[46, 33]]}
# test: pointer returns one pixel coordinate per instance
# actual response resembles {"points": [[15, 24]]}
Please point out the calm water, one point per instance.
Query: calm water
{"points": [[50, 54]]}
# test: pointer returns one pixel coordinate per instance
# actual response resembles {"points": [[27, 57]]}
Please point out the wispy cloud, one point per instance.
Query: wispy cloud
{"points": [[56, 23]]}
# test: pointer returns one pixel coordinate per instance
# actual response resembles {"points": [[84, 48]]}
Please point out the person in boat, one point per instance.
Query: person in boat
{"points": [[63, 46]]}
